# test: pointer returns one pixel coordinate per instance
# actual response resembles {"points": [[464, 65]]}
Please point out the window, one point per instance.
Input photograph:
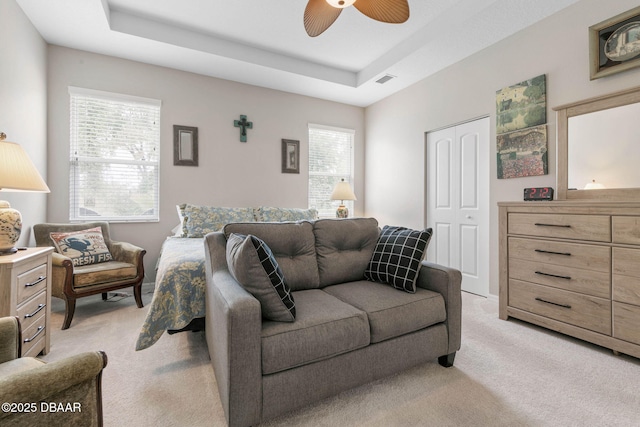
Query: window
{"points": [[330, 160], [114, 153]]}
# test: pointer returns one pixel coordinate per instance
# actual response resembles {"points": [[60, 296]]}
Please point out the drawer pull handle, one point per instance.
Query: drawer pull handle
{"points": [[40, 329], [553, 303], [553, 253], [551, 225], [553, 275], [40, 307], [40, 279]]}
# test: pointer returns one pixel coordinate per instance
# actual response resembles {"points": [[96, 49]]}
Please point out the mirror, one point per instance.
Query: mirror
{"points": [[185, 145], [598, 148]]}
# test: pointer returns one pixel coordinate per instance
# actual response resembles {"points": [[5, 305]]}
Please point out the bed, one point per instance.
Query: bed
{"points": [[178, 299]]}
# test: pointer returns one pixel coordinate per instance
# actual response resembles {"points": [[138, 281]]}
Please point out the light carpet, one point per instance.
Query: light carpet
{"points": [[507, 373]]}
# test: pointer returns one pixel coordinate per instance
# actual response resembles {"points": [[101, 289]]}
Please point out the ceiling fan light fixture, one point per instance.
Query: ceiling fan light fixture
{"points": [[340, 4]]}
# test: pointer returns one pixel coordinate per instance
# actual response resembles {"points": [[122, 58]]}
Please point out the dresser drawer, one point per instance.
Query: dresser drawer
{"points": [[576, 255], [626, 322], [595, 228], [31, 282], [31, 309], [33, 337], [626, 229], [569, 307], [626, 275], [595, 283]]}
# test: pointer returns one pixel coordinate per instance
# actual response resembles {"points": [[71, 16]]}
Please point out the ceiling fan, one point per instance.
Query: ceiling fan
{"points": [[320, 14]]}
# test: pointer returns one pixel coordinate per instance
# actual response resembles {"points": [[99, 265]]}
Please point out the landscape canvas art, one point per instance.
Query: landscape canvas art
{"points": [[523, 153], [522, 105]]}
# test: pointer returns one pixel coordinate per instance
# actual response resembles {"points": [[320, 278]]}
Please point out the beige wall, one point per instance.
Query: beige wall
{"points": [[396, 126], [230, 173], [23, 104]]}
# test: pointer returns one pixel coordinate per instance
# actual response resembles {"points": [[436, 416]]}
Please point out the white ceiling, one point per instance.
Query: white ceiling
{"points": [[263, 42]]}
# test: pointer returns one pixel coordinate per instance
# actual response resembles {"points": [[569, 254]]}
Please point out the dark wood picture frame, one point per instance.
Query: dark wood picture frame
{"points": [[185, 145], [614, 44], [290, 156]]}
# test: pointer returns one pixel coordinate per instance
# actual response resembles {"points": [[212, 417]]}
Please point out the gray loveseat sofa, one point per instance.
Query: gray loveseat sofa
{"points": [[347, 330]]}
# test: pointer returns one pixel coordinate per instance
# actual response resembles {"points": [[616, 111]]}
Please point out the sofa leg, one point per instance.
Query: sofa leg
{"points": [[104, 296], [69, 310], [447, 360]]}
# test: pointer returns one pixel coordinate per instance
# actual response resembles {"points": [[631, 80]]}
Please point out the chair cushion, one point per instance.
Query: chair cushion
{"points": [[106, 272], [397, 257], [391, 312], [293, 246], [252, 264], [344, 248], [19, 365], [324, 327], [84, 247]]}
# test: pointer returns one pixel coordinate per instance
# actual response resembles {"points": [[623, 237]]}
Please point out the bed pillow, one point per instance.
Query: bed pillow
{"points": [[270, 214], [397, 257], [252, 264], [201, 220], [84, 247]]}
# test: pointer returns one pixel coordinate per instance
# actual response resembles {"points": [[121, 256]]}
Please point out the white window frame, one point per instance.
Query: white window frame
{"points": [[330, 212], [76, 213]]}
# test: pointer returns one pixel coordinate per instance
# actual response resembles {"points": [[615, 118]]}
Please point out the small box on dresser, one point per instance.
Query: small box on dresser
{"points": [[25, 292], [574, 267]]}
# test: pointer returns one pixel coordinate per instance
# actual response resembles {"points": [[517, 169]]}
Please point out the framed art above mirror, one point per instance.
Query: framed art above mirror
{"points": [[599, 147]]}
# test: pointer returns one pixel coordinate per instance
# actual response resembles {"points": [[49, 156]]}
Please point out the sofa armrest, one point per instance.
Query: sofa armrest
{"points": [[446, 281], [9, 338], [233, 330], [73, 380]]}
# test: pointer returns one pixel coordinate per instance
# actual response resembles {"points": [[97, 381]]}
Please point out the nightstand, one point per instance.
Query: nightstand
{"points": [[25, 292]]}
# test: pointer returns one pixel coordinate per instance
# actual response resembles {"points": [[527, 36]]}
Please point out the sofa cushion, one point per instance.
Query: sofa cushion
{"points": [[293, 246], [324, 327], [397, 257], [201, 220], [344, 248], [252, 264], [391, 312], [274, 214], [84, 247]]}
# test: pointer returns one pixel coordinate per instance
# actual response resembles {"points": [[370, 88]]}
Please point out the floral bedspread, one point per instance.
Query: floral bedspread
{"points": [[179, 291]]}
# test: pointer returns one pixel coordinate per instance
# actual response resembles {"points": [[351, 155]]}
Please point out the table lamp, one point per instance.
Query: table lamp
{"points": [[17, 173], [342, 192]]}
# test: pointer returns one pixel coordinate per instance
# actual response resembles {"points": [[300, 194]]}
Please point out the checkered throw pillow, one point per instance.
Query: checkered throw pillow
{"points": [[397, 257], [253, 265]]}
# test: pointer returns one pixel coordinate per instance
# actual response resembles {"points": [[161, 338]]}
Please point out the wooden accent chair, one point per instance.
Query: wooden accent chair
{"points": [[72, 282], [75, 380]]}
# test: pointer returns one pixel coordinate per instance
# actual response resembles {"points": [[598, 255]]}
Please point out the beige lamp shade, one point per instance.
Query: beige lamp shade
{"points": [[17, 172], [343, 191]]}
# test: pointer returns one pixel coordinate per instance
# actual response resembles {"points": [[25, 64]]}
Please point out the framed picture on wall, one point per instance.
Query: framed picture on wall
{"points": [[614, 44], [290, 156], [185, 145]]}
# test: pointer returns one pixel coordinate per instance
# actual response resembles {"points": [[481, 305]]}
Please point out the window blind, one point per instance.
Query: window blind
{"points": [[114, 157], [330, 160]]}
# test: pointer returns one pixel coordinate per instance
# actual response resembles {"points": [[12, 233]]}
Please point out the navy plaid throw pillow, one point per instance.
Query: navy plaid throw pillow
{"points": [[397, 257]]}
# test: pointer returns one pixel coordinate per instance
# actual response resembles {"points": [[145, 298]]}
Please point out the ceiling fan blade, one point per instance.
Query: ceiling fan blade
{"points": [[318, 16], [391, 11]]}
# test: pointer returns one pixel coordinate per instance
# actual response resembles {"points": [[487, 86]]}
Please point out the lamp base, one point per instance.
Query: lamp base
{"points": [[10, 228], [9, 251], [342, 212]]}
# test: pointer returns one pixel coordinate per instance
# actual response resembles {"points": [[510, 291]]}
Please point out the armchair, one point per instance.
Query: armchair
{"points": [[74, 382], [72, 282]]}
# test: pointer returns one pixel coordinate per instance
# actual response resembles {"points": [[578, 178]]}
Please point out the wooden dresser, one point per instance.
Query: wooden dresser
{"points": [[25, 291], [574, 267]]}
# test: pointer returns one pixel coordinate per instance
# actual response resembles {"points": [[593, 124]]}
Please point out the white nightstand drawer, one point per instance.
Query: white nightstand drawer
{"points": [[31, 282]]}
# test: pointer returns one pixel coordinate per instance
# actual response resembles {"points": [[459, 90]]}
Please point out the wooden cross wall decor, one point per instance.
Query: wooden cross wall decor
{"points": [[243, 124]]}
